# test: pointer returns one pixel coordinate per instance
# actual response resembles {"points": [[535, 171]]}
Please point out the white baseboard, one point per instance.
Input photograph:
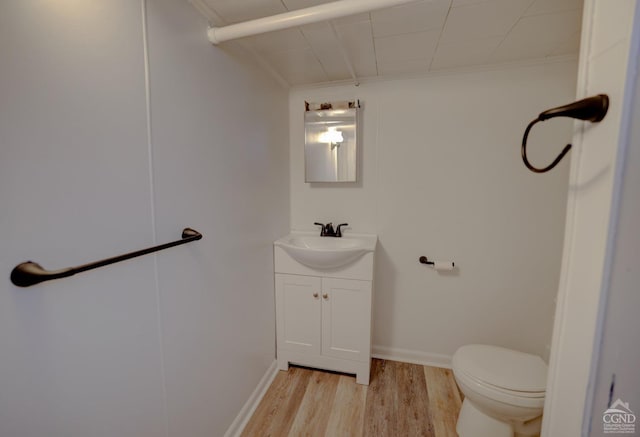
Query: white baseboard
{"points": [[411, 356], [241, 420]]}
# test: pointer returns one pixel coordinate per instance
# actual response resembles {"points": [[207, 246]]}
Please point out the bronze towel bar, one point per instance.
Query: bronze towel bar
{"points": [[29, 273]]}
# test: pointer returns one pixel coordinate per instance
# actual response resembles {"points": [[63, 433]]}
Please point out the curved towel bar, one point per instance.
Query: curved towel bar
{"points": [[523, 151], [30, 273], [591, 109]]}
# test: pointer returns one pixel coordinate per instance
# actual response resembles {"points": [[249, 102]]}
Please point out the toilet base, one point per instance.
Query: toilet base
{"points": [[474, 423]]}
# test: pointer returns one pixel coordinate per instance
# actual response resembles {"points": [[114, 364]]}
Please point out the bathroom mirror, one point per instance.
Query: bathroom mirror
{"points": [[330, 147]]}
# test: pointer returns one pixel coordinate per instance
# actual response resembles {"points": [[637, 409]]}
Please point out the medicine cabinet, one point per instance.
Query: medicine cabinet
{"points": [[330, 147]]}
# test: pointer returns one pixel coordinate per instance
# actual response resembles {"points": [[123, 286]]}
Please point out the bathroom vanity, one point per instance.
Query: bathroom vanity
{"points": [[323, 289]]}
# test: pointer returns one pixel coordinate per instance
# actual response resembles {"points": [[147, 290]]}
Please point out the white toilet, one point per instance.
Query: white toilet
{"points": [[503, 391]]}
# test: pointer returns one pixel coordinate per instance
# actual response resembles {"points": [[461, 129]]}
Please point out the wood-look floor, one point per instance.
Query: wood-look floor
{"points": [[402, 400]]}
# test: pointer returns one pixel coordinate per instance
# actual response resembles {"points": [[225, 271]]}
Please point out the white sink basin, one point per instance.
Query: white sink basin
{"points": [[326, 252]]}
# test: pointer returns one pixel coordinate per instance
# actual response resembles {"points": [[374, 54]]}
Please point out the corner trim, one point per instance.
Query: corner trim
{"points": [[241, 420], [411, 356]]}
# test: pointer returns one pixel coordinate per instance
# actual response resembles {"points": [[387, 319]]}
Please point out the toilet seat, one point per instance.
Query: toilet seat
{"points": [[502, 374], [518, 399], [523, 394]]}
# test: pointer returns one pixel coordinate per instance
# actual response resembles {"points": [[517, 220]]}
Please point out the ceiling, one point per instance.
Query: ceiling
{"points": [[414, 38]]}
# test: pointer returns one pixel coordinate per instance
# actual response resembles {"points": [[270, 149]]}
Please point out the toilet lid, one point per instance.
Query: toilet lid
{"points": [[503, 368]]}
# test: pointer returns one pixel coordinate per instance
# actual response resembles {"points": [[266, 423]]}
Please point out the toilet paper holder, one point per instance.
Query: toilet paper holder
{"points": [[424, 260]]}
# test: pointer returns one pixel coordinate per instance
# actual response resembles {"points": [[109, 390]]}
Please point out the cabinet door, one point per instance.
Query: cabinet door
{"points": [[298, 313], [346, 319]]}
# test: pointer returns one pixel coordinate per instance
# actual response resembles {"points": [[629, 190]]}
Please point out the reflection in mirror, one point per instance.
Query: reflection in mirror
{"points": [[330, 145]]}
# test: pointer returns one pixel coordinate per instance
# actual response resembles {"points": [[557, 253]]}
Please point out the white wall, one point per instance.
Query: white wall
{"points": [[442, 177], [605, 53], [220, 153], [167, 345]]}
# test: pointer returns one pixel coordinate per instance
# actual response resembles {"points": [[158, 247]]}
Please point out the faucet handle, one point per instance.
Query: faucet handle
{"points": [[338, 232], [328, 230], [323, 231]]}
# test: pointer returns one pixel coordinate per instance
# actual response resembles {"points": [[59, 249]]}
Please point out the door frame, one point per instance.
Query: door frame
{"points": [[584, 331]]}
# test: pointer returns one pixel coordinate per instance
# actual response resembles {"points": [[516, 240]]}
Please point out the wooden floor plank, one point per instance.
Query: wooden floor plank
{"points": [[444, 401], [276, 412], [313, 415], [382, 401], [403, 400], [456, 394], [413, 401], [347, 415]]}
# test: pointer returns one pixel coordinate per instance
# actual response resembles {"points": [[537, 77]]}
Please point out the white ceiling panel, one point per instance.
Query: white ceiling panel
{"points": [[350, 19], [358, 42], [549, 6], [538, 36], [413, 17], [417, 37], [279, 41], [403, 67], [301, 4], [465, 53], [466, 2], [406, 47], [297, 66], [235, 11], [483, 20], [323, 42]]}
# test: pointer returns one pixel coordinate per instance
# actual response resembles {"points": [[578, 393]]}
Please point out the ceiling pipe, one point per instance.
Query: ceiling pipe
{"points": [[314, 14]]}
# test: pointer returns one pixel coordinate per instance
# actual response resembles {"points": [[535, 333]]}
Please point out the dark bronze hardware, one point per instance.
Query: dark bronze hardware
{"points": [[338, 231], [323, 230], [30, 273], [328, 231], [591, 109], [424, 260]]}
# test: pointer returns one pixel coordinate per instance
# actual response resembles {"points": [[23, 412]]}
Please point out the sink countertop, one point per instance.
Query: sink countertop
{"points": [[368, 241]]}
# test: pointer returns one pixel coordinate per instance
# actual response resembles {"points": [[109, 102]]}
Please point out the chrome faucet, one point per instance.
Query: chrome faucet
{"points": [[328, 231]]}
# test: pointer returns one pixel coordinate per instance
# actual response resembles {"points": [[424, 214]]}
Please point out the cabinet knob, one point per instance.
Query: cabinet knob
{"points": [[315, 295], [325, 296]]}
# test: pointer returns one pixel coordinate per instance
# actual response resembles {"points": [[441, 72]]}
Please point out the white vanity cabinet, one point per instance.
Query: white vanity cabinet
{"points": [[323, 317]]}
